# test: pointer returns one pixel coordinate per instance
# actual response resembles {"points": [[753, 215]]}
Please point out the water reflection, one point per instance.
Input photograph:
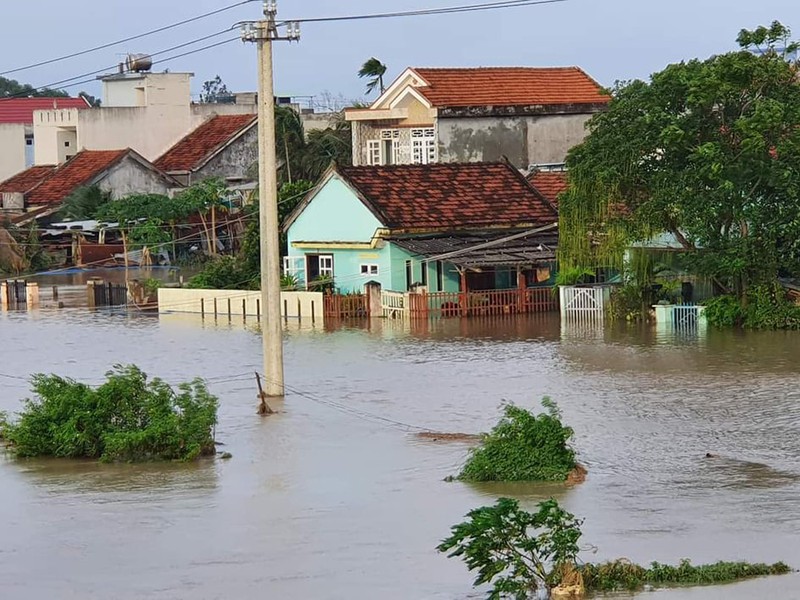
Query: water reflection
{"points": [[318, 502]]}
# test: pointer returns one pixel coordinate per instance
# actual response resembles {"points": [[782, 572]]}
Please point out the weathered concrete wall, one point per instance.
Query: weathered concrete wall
{"points": [[130, 177], [12, 149], [234, 161], [294, 305], [525, 140]]}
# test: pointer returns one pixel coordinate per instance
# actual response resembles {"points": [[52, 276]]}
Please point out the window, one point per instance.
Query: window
{"points": [[409, 275], [326, 266], [66, 144], [440, 275], [374, 152], [29, 140], [391, 150], [423, 146], [369, 269]]}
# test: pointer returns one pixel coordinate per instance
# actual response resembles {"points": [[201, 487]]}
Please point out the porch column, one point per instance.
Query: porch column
{"points": [[464, 296], [4, 295], [374, 305], [32, 295], [522, 286]]}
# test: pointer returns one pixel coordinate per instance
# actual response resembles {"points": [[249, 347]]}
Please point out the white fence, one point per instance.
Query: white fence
{"points": [[238, 303], [583, 303], [394, 304]]}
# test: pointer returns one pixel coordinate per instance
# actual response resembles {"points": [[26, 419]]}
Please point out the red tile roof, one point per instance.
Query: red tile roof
{"points": [[510, 86], [449, 195], [28, 179], [80, 170], [204, 141], [20, 110], [549, 184]]}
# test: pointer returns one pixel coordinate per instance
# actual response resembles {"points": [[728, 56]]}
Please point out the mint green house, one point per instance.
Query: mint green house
{"points": [[448, 227]]}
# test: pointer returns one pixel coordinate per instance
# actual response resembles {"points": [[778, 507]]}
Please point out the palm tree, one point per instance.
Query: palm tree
{"points": [[289, 139], [376, 70], [83, 203]]}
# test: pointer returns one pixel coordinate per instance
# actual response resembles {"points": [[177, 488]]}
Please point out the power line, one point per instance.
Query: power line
{"points": [[128, 39], [92, 74], [430, 11]]}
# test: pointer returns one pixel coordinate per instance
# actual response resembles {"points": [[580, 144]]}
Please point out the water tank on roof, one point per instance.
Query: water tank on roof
{"points": [[138, 63]]}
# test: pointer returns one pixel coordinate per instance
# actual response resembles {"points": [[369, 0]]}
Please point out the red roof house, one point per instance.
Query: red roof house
{"points": [[40, 191], [20, 110], [530, 115], [224, 146]]}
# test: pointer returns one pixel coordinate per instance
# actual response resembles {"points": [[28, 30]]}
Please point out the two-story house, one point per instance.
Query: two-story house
{"points": [[532, 116]]}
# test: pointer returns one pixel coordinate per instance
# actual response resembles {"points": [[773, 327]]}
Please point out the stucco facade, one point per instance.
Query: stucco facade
{"points": [[234, 161], [129, 176], [405, 127], [12, 149], [147, 112]]}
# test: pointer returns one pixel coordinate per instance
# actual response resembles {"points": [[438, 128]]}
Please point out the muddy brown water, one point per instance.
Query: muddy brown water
{"points": [[320, 502]]}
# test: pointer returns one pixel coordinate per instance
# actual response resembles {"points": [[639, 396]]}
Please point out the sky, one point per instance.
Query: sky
{"points": [[610, 39]]}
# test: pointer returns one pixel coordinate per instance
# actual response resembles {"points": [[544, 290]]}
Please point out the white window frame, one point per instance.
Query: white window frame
{"points": [[369, 270], [374, 152], [423, 145], [327, 270]]}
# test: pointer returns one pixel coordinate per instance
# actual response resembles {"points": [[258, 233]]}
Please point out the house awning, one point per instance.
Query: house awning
{"points": [[480, 250]]}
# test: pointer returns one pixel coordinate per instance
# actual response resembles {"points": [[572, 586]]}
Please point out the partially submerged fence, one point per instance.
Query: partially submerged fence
{"points": [[583, 303], [483, 303], [346, 306], [18, 294], [106, 294]]}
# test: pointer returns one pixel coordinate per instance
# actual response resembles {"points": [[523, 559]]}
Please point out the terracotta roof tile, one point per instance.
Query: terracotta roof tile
{"points": [[549, 184], [20, 110], [510, 86], [201, 143], [449, 195], [80, 170], [28, 179]]}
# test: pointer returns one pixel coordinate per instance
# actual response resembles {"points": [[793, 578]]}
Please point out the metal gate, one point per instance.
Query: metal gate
{"points": [[685, 316], [582, 303], [111, 294], [17, 291]]}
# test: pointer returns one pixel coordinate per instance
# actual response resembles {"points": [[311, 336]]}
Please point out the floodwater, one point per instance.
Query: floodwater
{"points": [[332, 499]]}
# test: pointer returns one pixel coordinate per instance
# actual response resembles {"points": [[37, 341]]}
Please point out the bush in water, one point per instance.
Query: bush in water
{"points": [[514, 550], [523, 447], [527, 555], [127, 418]]}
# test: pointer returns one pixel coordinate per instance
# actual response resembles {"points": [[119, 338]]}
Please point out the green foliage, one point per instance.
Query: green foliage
{"points": [[763, 307], [706, 151], [13, 88], [290, 195], [573, 275], [151, 285], [84, 203], [224, 273], [214, 90], [523, 447], [127, 418], [148, 234], [374, 70], [288, 283], [623, 575], [515, 551]]}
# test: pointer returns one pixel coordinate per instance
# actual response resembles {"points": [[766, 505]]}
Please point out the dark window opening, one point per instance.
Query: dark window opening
{"points": [[440, 275], [409, 275], [423, 273]]}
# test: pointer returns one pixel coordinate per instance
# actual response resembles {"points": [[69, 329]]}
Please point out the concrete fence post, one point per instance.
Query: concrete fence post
{"points": [[4, 295], [374, 305], [32, 295]]}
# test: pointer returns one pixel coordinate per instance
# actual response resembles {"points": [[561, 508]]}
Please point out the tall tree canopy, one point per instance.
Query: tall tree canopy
{"points": [[374, 70], [707, 151]]}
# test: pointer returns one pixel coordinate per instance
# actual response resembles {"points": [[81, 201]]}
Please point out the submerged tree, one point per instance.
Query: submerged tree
{"points": [[706, 151]]}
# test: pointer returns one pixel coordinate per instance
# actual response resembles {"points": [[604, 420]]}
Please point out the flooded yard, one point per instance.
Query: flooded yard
{"points": [[334, 497]]}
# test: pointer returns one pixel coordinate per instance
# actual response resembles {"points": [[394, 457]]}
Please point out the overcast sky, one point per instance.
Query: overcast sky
{"points": [[610, 39]]}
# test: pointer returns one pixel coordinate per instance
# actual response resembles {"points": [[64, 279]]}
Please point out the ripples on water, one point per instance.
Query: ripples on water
{"points": [[318, 503]]}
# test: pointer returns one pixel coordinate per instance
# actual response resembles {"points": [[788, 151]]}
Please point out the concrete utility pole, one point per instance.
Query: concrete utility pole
{"points": [[263, 33]]}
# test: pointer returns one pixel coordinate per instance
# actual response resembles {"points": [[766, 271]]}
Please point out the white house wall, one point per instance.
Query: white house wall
{"points": [[12, 149], [130, 177]]}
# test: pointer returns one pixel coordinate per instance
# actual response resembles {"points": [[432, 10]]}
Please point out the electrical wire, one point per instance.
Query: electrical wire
{"points": [[127, 39], [428, 11]]}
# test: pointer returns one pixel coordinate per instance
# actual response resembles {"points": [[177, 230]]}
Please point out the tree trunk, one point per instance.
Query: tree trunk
{"points": [[213, 230]]}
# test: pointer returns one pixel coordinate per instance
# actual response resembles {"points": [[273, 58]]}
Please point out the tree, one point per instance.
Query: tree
{"points": [[518, 552], [214, 90], [326, 146], [206, 197], [375, 70], [289, 140], [706, 151], [13, 88], [84, 203]]}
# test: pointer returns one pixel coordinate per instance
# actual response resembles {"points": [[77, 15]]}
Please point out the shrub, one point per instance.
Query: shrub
{"points": [[523, 447], [127, 418], [624, 575], [767, 307], [516, 551], [224, 273]]}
